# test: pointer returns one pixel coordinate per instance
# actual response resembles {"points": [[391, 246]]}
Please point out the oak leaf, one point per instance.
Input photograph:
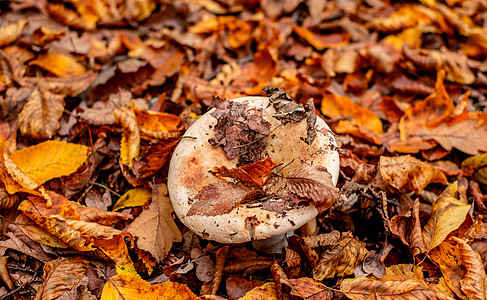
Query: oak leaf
{"points": [[60, 65], [60, 276], [467, 136], [40, 116], [341, 259], [128, 286], [256, 173], [10, 32], [155, 227], [409, 173]]}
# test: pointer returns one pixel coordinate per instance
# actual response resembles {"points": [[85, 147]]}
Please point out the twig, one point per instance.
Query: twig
{"points": [[109, 189], [221, 256]]}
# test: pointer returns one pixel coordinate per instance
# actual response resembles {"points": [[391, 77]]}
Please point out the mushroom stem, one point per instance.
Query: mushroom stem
{"points": [[273, 244]]}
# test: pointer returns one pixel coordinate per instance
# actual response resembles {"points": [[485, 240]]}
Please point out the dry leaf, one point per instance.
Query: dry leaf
{"points": [[341, 259], [322, 41], [130, 143], [256, 173], [314, 183], [40, 116], [133, 198], [50, 159], [4, 272], [127, 286], [467, 136], [10, 32], [404, 281], [71, 86], [60, 276], [308, 288], [59, 64], [155, 227], [265, 291], [409, 173]]}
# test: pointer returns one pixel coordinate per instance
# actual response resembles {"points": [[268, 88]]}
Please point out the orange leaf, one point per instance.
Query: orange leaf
{"points": [[131, 287], [364, 123], [59, 64], [10, 32], [322, 41], [256, 173]]}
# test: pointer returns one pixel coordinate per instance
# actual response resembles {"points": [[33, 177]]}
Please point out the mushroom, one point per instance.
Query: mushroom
{"points": [[242, 132]]}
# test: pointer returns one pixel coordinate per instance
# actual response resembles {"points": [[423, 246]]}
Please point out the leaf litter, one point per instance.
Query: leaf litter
{"points": [[95, 97]]}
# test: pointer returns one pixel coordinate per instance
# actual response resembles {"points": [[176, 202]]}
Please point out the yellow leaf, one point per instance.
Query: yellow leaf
{"points": [[133, 198], [447, 215], [409, 173], [155, 227], [266, 291], [158, 125], [59, 64], [130, 143], [48, 160], [341, 259], [60, 276], [127, 286], [40, 116], [10, 32]]}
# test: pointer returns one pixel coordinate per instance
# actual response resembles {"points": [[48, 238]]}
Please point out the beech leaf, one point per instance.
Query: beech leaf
{"points": [[40, 116], [60, 65]]}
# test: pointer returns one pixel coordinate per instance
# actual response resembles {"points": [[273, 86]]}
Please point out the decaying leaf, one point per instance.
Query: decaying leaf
{"points": [[155, 227], [409, 173], [40, 116], [10, 32], [341, 259], [256, 173], [308, 288], [265, 291]]}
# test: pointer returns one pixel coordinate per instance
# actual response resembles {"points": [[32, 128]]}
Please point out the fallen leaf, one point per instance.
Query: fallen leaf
{"points": [[50, 159], [68, 86], [236, 287], [265, 291], [4, 272], [130, 143], [400, 281], [308, 288], [40, 116], [131, 287], [409, 173], [341, 259], [155, 227], [59, 64], [10, 32], [256, 173], [133, 198], [322, 41], [314, 183], [60, 276], [467, 136]]}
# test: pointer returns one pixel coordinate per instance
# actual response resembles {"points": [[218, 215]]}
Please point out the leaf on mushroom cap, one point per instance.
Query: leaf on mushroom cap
{"points": [[310, 182], [240, 133], [256, 173]]}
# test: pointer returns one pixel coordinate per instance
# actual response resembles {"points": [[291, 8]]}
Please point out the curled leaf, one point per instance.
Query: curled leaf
{"points": [[256, 173]]}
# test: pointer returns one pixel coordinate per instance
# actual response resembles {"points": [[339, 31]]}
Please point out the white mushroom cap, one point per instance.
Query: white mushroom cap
{"points": [[194, 157]]}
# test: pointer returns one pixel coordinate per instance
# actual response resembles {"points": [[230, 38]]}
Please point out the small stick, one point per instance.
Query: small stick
{"points": [[221, 255]]}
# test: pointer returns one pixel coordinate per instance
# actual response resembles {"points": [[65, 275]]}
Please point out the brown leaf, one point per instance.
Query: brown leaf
{"points": [[409, 173], [236, 287], [40, 116], [467, 136], [71, 86], [155, 227], [341, 259], [314, 183], [256, 173], [60, 276]]}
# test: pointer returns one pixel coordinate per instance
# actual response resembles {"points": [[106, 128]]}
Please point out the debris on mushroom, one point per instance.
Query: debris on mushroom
{"points": [[254, 168]]}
